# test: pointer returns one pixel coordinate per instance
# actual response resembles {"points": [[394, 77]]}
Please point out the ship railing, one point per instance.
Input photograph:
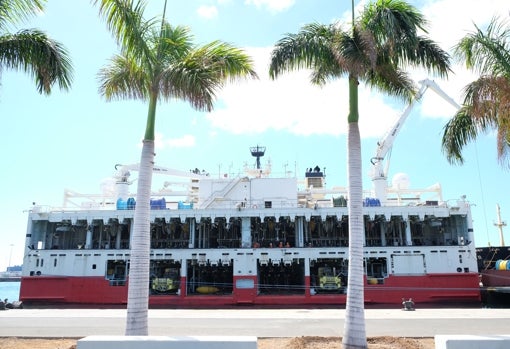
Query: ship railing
{"points": [[321, 197], [431, 196], [272, 203], [75, 200], [222, 203], [41, 209]]}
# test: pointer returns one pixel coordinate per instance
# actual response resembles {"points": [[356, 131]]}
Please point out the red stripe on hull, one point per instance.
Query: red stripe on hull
{"points": [[435, 288], [430, 288], [62, 289]]}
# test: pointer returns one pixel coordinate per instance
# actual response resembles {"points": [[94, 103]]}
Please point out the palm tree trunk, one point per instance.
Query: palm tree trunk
{"points": [[138, 286], [354, 328]]}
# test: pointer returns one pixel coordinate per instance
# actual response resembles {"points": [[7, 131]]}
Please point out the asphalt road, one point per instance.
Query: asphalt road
{"points": [[77, 323]]}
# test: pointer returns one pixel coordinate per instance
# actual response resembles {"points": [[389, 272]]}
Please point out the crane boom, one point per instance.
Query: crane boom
{"points": [[379, 170], [123, 172]]}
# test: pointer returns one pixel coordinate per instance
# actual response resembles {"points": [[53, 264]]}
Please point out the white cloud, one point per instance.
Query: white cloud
{"points": [[186, 141], [292, 104], [272, 6], [448, 23], [207, 11]]}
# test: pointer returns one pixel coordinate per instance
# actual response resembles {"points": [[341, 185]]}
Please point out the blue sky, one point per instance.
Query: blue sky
{"points": [[73, 139]]}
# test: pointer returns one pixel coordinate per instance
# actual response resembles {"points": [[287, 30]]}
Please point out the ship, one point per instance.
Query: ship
{"points": [[11, 274], [254, 238], [494, 268]]}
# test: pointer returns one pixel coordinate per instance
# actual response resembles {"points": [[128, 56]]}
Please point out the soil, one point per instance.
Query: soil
{"points": [[262, 343]]}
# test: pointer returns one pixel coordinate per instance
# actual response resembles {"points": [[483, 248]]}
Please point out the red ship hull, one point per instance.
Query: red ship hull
{"points": [[90, 291]]}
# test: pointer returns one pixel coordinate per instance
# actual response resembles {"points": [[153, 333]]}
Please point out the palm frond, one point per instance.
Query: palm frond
{"points": [[124, 19], [308, 49], [362, 50], [503, 140], [392, 21], [483, 96], [187, 80], [326, 72], [486, 52], [229, 62], [175, 43], [33, 52], [383, 41], [15, 11], [205, 70], [124, 79], [488, 97], [429, 55], [391, 81], [395, 25], [486, 107], [458, 132]]}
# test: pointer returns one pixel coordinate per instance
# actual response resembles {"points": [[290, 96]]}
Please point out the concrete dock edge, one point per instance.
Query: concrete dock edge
{"points": [[168, 342], [472, 342]]}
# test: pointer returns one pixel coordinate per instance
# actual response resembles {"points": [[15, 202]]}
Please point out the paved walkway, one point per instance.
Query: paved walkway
{"points": [[254, 322]]}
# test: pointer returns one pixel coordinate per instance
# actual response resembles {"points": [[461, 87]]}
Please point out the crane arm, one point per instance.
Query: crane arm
{"points": [[123, 172], [386, 143]]}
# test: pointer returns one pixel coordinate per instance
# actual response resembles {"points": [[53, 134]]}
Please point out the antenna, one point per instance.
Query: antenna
{"points": [[500, 224]]}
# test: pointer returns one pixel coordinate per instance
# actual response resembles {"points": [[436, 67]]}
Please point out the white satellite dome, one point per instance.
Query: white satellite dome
{"points": [[400, 181]]}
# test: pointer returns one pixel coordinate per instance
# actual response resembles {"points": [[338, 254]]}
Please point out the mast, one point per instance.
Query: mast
{"points": [[500, 224], [258, 152]]}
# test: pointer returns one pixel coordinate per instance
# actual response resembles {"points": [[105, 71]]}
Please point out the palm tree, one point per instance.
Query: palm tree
{"points": [[31, 50], [486, 100], [376, 47], [158, 62]]}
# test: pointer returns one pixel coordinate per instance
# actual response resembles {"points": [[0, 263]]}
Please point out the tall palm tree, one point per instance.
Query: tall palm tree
{"points": [[158, 62], [31, 50], [374, 49], [486, 100]]}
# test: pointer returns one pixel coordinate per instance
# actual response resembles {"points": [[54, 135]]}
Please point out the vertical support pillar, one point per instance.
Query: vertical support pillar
{"points": [[245, 232], [118, 236], [131, 228], [192, 225], [88, 238], [307, 277], [184, 273], [201, 236], [409, 240], [383, 232], [299, 232]]}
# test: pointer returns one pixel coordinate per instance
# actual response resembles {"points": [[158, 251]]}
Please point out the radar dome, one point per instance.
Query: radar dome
{"points": [[400, 181]]}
